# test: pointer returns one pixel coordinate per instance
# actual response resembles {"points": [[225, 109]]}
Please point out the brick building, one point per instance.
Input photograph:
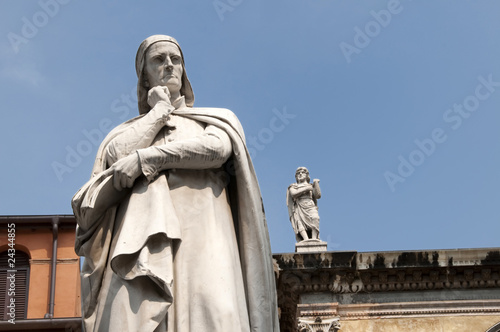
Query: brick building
{"points": [[42, 276]]}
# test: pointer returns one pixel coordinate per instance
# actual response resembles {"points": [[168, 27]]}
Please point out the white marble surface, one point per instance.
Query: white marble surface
{"points": [[155, 222], [302, 201]]}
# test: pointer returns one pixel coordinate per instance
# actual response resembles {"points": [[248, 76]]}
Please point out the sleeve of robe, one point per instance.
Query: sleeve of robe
{"points": [[140, 134], [209, 150], [253, 238]]}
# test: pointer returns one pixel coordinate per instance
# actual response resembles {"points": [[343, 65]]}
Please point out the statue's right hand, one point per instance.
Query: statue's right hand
{"points": [[157, 94], [126, 171]]}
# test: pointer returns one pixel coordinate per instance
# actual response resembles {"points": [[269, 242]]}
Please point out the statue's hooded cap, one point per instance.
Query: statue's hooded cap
{"points": [[142, 91]]}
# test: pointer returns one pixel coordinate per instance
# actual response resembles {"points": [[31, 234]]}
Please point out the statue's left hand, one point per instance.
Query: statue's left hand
{"points": [[125, 171]]}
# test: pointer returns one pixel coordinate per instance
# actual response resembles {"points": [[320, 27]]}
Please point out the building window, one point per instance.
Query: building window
{"points": [[14, 285]]}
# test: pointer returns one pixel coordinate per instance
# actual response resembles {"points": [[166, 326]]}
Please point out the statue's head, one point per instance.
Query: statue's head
{"points": [[145, 64], [302, 171]]}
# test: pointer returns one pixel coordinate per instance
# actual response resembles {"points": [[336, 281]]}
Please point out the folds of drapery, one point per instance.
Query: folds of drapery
{"points": [[137, 245]]}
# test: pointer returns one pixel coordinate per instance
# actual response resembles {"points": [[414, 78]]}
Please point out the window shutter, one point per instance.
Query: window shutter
{"points": [[21, 285], [3, 292]]}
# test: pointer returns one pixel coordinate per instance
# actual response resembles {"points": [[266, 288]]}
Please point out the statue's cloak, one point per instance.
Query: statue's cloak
{"points": [[141, 252]]}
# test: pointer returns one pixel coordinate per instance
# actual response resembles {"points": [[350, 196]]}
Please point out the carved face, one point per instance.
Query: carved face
{"points": [[164, 66], [302, 175]]}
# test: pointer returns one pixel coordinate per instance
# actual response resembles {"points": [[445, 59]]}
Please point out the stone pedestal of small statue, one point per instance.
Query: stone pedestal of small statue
{"points": [[311, 246]]}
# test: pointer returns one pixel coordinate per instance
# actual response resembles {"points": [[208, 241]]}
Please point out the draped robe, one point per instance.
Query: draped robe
{"points": [[193, 234], [303, 210]]}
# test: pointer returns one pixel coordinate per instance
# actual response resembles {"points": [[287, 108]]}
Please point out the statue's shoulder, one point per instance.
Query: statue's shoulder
{"points": [[222, 114], [214, 111]]}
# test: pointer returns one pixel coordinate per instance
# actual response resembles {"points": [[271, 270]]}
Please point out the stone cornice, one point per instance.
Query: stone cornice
{"points": [[412, 272], [350, 272], [418, 309]]}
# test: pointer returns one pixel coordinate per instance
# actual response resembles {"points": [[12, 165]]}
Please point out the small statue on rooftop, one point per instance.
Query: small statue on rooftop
{"points": [[301, 199]]}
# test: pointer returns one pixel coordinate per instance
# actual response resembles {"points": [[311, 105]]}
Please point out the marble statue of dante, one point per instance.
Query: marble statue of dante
{"points": [[301, 199], [171, 223]]}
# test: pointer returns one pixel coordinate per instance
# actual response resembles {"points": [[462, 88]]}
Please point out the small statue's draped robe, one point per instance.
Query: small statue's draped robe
{"points": [[302, 210]]}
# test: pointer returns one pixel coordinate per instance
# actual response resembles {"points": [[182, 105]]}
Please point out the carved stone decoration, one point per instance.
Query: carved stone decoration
{"points": [[335, 326], [319, 324], [304, 327], [386, 285], [302, 201], [322, 317]]}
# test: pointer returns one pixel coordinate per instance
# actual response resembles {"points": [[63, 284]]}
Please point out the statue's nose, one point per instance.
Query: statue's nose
{"points": [[168, 64]]}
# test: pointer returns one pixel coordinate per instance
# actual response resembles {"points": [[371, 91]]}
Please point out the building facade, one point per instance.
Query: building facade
{"points": [[347, 291], [442, 290], [39, 274]]}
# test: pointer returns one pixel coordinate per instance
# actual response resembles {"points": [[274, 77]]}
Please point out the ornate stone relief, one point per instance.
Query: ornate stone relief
{"points": [[312, 273], [319, 325], [341, 273], [320, 317]]}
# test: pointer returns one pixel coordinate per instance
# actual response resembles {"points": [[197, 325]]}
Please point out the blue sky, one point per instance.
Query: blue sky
{"points": [[394, 106]]}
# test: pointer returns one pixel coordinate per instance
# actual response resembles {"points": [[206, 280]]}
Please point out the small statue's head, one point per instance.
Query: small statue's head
{"points": [[302, 172], [151, 73]]}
